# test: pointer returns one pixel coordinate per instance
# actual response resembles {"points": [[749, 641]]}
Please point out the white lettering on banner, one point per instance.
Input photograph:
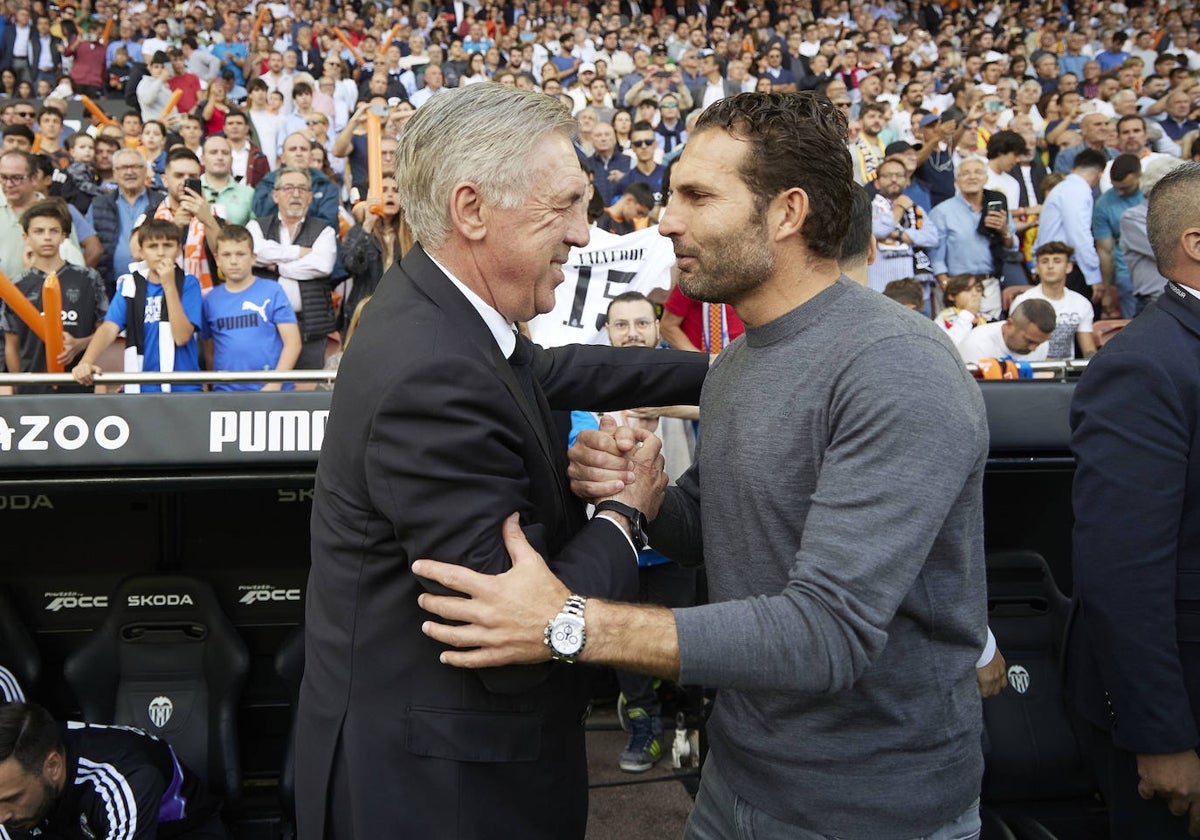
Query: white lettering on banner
{"points": [[611, 265], [267, 431], [74, 601], [68, 433], [260, 593], [160, 601], [21, 502]]}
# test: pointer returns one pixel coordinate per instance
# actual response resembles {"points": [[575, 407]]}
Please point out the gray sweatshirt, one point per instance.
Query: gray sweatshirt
{"points": [[838, 490]]}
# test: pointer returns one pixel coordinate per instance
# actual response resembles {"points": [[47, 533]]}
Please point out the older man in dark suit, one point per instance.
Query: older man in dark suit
{"points": [[1133, 652], [440, 429]]}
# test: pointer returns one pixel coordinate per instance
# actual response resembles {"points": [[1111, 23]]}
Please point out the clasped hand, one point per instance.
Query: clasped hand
{"points": [[502, 618]]}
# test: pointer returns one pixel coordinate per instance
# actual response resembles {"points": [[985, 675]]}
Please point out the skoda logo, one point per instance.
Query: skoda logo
{"points": [[1018, 678], [160, 710]]}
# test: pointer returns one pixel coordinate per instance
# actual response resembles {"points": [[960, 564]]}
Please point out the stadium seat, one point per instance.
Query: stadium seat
{"points": [[167, 659], [1036, 778], [20, 665], [289, 665]]}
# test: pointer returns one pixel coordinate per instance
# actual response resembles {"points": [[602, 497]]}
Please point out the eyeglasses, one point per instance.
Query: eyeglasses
{"points": [[316, 122], [129, 167], [641, 144], [292, 188], [26, 114], [13, 179], [842, 104], [668, 104]]}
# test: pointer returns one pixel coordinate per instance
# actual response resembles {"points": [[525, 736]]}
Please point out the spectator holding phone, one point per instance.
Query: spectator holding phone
{"points": [[186, 207]]}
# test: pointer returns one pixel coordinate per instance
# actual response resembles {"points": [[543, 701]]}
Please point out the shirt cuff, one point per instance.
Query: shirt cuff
{"points": [[989, 651], [624, 533]]}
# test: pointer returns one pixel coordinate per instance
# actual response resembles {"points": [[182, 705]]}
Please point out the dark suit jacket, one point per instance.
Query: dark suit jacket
{"points": [[430, 445], [1133, 647], [697, 91]]}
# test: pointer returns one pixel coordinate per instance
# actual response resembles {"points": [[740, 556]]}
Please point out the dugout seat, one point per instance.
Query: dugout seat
{"points": [[289, 665], [20, 664], [168, 660], [1036, 777]]}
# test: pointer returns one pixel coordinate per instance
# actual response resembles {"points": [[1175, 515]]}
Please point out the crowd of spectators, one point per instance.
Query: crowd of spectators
{"points": [[984, 134]]}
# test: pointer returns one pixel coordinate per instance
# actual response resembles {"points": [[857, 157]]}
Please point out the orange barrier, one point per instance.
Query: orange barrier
{"points": [[24, 310], [174, 100], [52, 319], [107, 32], [96, 111], [345, 40], [391, 36], [375, 163]]}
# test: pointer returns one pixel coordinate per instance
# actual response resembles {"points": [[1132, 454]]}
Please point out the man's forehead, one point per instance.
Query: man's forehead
{"points": [[631, 309]]}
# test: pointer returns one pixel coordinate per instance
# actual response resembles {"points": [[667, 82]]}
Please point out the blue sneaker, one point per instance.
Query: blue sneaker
{"points": [[645, 742]]}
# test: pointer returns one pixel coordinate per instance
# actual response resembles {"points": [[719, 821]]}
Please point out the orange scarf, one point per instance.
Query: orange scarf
{"points": [[192, 260]]}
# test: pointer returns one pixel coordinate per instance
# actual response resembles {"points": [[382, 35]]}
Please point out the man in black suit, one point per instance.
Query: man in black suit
{"points": [[1133, 649], [440, 429]]}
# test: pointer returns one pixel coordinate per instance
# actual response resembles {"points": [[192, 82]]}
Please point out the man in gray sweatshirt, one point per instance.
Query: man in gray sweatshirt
{"points": [[836, 501]]}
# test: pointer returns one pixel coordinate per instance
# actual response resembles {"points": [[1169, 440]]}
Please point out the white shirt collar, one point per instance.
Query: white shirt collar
{"points": [[499, 326]]}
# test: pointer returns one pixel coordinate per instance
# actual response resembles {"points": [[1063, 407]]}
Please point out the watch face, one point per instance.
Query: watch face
{"points": [[566, 635]]}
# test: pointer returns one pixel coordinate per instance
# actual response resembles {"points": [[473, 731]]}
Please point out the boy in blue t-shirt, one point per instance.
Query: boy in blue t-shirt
{"points": [[248, 322], [155, 292]]}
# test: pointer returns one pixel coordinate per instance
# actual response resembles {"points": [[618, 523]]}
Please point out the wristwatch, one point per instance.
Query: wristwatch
{"points": [[566, 633], [637, 520]]}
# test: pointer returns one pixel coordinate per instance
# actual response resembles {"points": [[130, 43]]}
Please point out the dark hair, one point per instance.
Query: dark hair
{"points": [[630, 297], [104, 139], [48, 109], [1052, 248], [51, 208], [181, 153], [19, 130], [871, 107], [856, 246], [131, 113], [640, 125], [239, 114], [907, 292], [1131, 118], [1006, 142], [1124, 166], [1090, 159], [234, 233], [1038, 312], [641, 193], [959, 283], [796, 140], [1172, 209], [301, 87], [257, 84], [28, 734], [159, 57], [158, 229]]}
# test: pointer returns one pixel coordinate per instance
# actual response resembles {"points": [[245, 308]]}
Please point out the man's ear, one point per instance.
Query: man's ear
{"points": [[468, 215]]}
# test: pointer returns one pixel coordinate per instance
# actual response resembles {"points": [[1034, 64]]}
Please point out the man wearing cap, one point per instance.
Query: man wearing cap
{"points": [[581, 91], [911, 159], [714, 86]]}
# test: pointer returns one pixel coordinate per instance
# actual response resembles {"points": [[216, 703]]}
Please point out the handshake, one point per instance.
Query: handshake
{"points": [[620, 463]]}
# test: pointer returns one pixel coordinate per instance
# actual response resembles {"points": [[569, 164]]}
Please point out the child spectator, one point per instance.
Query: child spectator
{"points": [[964, 294], [78, 184], [248, 322], [907, 292], [47, 224], [155, 292]]}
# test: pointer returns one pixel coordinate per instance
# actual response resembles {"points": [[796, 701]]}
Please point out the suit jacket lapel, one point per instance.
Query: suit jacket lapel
{"points": [[430, 279]]}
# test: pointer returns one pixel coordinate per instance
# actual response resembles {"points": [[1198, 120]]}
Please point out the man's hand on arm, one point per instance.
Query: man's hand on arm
{"points": [[1176, 778], [504, 617]]}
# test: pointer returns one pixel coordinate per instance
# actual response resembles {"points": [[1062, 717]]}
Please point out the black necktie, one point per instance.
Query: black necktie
{"points": [[521, 363]]}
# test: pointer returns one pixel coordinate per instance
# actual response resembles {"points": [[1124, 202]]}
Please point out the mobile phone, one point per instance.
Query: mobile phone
{"points": [[193, 184], [380, 111], [995, 206]]}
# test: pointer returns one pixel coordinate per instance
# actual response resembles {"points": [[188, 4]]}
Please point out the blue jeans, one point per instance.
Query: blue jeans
{"points": [[720, 814]]}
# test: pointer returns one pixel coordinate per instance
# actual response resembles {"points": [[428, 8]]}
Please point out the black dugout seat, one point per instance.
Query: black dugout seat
{"points": [[289, 665], [1036, 776], [167, 660], [20, 665]]}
